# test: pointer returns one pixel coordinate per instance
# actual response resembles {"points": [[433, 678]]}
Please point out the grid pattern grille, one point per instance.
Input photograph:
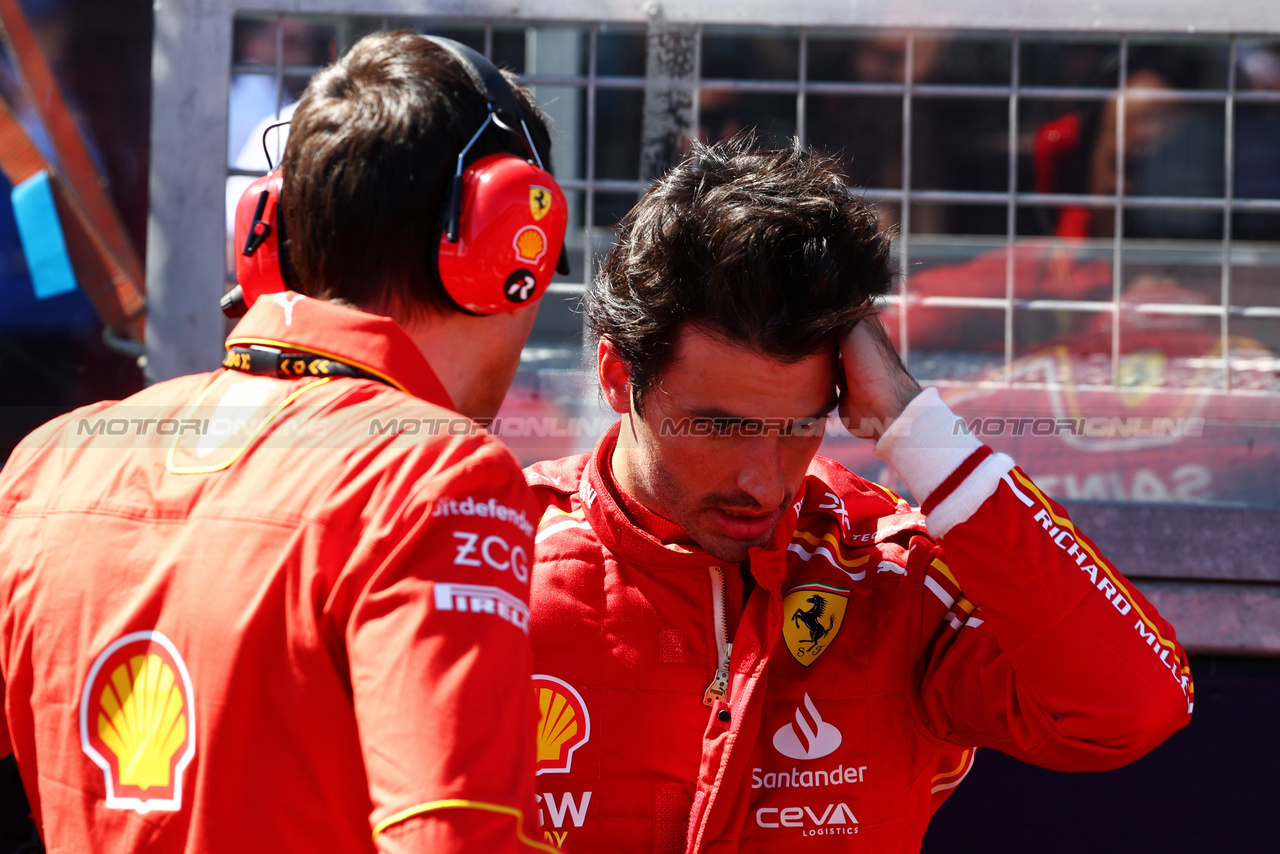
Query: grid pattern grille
{"points": [[1087, 225], [599, 88]]}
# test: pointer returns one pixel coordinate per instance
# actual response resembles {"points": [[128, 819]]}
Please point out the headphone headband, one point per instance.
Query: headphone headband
{"points": [[495, 89], [485, 76], [504, 220]]}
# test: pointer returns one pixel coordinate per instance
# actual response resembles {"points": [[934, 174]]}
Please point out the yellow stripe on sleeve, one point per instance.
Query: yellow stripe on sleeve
{"points": [[459, 803], [835, 544], [946, 572], [554, 512], [966, 765], [1066, 523], [889, 492], [964, 759]]}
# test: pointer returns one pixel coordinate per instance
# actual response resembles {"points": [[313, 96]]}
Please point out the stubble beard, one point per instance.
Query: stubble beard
{"points": [[677, 507]]}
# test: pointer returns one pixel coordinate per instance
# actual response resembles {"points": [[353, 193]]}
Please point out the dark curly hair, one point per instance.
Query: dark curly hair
{"points": [[767, 249]]}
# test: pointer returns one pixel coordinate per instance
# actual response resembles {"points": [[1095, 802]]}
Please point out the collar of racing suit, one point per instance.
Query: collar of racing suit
{"points": [[374, 344], [617, 533], [658, 526]]}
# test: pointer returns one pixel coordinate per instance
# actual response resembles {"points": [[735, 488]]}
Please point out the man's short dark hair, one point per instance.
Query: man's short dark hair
{"points": [[368, 167], [767, 249]]}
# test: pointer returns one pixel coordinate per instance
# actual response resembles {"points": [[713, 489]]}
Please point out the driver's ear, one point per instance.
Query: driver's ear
{"points": [[615, 377]]}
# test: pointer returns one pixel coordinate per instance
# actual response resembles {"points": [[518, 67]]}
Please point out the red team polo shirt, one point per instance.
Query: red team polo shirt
{"points": [[245, 613]]}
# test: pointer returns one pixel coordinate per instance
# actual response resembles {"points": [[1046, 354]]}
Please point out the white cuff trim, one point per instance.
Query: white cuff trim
{"points": [[965, 500], [925, 444]]}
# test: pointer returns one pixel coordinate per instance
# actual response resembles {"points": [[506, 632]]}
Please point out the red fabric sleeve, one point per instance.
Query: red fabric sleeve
{"points": [[1049, 653], [440, 663]]}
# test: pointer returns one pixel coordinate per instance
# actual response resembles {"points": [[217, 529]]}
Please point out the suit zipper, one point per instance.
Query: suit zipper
{"points": [[719, 687]]}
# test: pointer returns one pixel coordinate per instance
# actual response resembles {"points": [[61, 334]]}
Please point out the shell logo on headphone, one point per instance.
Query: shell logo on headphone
{"points": [[530, 244]]}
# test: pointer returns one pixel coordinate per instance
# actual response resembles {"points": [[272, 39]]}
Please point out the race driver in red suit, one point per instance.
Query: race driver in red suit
{"points": [[741, 646], [283, 606]]}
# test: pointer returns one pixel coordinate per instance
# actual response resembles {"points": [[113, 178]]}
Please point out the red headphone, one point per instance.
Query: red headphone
{"points": [[503, 237]]}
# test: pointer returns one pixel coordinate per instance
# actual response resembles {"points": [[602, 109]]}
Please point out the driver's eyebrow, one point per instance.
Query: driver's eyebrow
{"points": [[715, 412], [718, 413]]}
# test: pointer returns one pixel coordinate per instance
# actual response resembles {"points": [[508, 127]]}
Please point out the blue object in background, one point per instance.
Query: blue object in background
{"points": [[20, 312], [42, 240]]}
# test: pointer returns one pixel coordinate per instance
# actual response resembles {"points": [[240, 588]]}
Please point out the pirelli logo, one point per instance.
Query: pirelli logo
{"points": [[482, 599]]}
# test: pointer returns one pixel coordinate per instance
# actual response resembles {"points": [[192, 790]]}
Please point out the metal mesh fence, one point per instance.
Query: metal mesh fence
{"points": [[1087, 223]]}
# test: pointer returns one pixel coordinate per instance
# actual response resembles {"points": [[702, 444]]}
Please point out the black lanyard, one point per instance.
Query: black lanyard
{"points": [[270, 362]]}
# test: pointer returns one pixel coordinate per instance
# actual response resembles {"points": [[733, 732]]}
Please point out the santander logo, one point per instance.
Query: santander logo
{"points": [[810, 737]]}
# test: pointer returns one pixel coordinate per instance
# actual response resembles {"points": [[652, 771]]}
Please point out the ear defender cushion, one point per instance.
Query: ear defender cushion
{"points": [[514, 216], [257, 239]]}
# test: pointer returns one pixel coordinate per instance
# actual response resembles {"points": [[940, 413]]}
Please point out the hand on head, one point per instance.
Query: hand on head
{"points": [[876, 387]]}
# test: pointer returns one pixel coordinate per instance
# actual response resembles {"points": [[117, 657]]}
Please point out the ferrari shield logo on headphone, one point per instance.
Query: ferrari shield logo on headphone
{"points": [[539, 202]]}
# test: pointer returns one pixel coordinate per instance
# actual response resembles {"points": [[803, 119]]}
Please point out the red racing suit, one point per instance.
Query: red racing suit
{"points": [[871, 657], [247, 613]]}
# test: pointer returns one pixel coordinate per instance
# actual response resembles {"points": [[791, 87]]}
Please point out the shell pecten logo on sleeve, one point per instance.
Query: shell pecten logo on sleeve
{"points": [[137, 722], [564, 724]]}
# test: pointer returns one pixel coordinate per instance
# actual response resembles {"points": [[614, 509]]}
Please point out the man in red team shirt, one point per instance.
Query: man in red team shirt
{"points": [[739, 645], [239, 611]]}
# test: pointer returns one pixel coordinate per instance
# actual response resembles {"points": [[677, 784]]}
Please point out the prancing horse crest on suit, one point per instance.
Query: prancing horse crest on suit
{"points": [[814, 614]]}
